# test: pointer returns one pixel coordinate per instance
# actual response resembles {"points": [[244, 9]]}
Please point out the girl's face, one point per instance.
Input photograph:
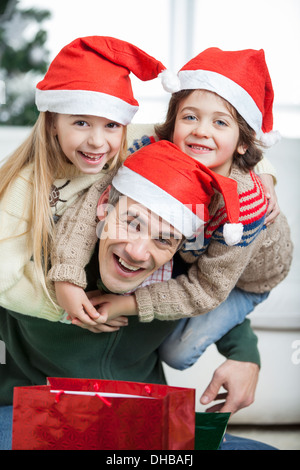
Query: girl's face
{"points": [[88, 142], [206, 130]]}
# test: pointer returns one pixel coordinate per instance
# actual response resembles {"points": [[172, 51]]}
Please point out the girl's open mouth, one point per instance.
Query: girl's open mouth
{"points": [[92, 158]]}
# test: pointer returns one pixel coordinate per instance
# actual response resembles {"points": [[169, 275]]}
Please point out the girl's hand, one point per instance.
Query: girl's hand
{"points": [[273, 208], [76, 304]]}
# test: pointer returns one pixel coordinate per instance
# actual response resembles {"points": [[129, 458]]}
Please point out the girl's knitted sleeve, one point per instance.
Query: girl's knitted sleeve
{"points": [[76, 237]]}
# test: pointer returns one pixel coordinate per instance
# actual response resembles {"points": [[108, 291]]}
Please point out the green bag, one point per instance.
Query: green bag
{"points": [[209, 430]]}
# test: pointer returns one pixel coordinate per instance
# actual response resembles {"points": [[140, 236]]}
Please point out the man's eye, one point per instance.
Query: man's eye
{"points": [[164, 241], [134, 225]]}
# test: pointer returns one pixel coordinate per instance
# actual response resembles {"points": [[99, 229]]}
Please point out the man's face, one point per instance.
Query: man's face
{"points": [[134, 243]]}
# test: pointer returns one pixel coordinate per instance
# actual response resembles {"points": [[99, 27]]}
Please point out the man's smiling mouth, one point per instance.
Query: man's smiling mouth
{"points": [[127, 267]]}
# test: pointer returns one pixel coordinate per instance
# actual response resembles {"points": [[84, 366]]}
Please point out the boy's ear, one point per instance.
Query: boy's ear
{"points": [[102, 204], [242, 149]]}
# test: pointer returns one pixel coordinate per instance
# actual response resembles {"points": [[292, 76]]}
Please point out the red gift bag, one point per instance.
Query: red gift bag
{"points": [[103, 414]]}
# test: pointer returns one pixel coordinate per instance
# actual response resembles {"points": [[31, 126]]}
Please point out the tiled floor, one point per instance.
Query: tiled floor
{"points": [[281, 437]]}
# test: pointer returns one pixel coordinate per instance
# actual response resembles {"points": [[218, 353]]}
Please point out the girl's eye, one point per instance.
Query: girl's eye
{"points": [[113, 125], [81, 123]]}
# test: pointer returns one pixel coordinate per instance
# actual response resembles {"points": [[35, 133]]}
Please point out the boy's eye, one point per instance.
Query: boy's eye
{"points": [[190, 117], [221, 123]]}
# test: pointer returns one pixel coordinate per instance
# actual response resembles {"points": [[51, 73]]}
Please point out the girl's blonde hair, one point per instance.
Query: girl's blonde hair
{"points": [[43, 151]]}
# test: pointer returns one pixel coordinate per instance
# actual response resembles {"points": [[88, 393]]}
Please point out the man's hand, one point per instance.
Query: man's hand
{"points": [[240, 381]]}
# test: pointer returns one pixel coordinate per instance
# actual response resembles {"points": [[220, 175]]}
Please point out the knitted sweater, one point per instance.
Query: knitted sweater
{"points": [[20, 288]]}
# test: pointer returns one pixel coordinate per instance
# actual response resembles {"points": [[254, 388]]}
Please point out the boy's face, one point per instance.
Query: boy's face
{"points": [[88, 142], [207, 131], [134, 243]]}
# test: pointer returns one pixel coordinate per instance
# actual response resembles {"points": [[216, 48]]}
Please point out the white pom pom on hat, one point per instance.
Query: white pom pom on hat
{"points": [[170, 81], [233, 233]]}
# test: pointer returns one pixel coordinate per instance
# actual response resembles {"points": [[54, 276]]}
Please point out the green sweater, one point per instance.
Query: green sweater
{"points": [[37, 349]]}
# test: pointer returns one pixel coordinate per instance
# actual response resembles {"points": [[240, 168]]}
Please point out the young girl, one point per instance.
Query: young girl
{"points": [[86, 102], [218, 118]]}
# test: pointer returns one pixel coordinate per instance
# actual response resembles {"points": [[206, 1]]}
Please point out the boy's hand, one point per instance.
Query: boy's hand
{"points": [[113, 305], [113, 325]]}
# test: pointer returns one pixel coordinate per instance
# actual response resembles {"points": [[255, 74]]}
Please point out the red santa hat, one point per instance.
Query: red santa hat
{"points": [[178, 189], [91, 76], [240, 77]]}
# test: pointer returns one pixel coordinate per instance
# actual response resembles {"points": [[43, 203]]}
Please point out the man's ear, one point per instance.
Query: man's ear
{"points": [[102, 204]]}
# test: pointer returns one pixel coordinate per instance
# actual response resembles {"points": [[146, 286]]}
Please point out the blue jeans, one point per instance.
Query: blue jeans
{"points": [[192, 336], [5, 427]]}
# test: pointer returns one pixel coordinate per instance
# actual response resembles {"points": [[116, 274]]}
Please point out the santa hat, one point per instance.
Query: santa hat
{"points": [[178, 189], [91, 76], [240, 77]]}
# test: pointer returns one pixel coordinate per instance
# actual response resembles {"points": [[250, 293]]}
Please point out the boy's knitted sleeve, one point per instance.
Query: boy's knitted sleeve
{"points": [[76, 237], [207, 283]]}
